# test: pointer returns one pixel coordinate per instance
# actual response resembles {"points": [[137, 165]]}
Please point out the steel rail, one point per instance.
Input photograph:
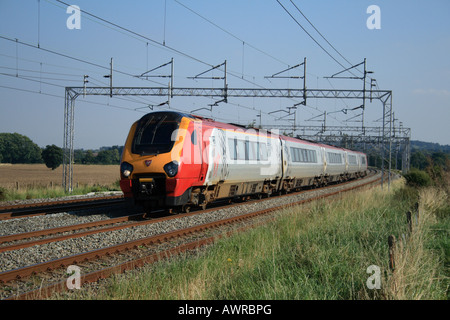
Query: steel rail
{"points": [[19, 211]]}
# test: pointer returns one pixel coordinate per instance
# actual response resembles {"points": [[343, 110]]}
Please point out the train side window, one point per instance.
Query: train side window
{"points": [[352, 159], [194, 137], [294, 154], [263, 151], [247, 151], [303, 157], [232, 148], [313, 156], [240, 148], [252, 151], [258, 151], [334, 157]]}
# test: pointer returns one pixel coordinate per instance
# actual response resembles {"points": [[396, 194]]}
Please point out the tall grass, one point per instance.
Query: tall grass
{"points": [[317, 251], [421, 255]]}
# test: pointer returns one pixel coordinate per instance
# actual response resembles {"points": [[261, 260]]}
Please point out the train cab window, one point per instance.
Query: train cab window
{"points": [[154, 135]]}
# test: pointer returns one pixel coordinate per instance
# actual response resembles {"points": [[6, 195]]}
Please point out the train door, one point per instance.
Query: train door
{"points": [[218, 164], [284, 158], [194, 154], [346, 160], [324, 159], [203, 146], [197, 161]]}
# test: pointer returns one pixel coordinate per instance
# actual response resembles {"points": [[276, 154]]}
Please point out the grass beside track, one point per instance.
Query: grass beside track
{"points": [[317, 251]]}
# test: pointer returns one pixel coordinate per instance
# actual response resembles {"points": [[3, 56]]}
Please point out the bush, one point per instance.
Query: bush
{"points": [[53, 156], [408, 195], [417, 178], [3, 194]]}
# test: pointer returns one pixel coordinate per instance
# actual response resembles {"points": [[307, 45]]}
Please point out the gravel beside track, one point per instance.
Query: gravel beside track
{"points": [[28, 256]]}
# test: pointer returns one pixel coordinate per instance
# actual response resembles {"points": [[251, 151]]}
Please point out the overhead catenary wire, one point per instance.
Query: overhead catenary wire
{"points": [[314, 39], [161, 45], [323, 37], [71, 57], [62, 97], [300, 25], [231, 34]]}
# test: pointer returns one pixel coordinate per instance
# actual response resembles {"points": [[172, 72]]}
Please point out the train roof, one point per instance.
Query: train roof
{"points": [[173, 115]]}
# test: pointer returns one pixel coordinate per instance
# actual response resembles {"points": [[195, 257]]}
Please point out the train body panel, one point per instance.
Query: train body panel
{"points": [[172, 159]]}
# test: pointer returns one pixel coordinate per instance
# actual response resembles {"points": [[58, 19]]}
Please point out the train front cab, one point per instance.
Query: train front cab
{"points": [[154, 172]]}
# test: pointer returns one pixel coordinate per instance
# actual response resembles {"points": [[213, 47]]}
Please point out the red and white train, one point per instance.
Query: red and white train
{"points": [[176, 160]]}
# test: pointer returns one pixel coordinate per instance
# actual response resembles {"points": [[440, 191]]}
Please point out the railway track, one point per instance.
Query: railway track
{"points": [[43, 208], [181, 233]]}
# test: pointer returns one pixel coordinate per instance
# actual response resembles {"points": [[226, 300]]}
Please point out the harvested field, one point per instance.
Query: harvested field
{"points": [[23, 176]]}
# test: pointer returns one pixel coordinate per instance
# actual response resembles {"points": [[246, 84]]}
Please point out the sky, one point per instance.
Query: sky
{"points": [[41, 54]]}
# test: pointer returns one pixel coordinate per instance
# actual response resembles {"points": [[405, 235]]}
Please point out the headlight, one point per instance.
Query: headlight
{"points": [[171, 168], [126, 169]]}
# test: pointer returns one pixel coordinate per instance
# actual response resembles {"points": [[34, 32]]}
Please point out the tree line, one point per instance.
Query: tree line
{"points": [[17, 148]]}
